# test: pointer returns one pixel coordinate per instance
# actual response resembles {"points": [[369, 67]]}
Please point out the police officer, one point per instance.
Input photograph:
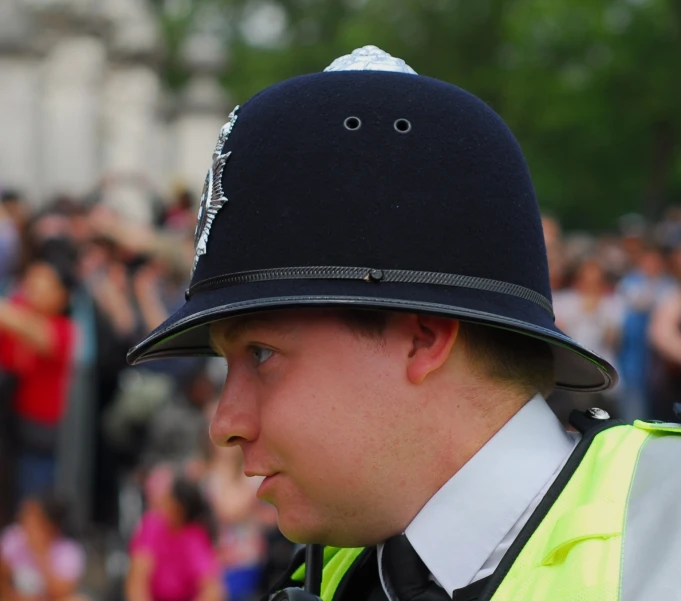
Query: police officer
{"points": [[370, 262]]}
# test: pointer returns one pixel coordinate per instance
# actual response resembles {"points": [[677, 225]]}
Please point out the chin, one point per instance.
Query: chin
{"points": [[318, 533], [301, 526], [298, 533]]}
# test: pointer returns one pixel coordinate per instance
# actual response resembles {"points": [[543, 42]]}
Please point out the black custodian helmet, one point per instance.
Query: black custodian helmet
{"points": [[370, 186]]}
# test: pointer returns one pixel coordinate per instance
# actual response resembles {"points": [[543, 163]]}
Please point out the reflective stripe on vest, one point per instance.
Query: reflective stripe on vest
{"points": [[613, 534], [651, 567], [336, 563]]}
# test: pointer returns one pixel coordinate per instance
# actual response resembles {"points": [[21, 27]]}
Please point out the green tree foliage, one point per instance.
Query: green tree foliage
{"points": [[592, 88]]}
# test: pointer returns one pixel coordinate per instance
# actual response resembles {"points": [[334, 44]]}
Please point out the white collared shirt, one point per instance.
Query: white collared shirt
{"points": [[465, 529]]}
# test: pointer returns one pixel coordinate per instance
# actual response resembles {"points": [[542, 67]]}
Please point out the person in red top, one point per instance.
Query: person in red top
{"points": [[36, 350]]}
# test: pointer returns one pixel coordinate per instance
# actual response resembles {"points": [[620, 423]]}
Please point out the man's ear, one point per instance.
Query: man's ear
{"points": [[433, 338]]}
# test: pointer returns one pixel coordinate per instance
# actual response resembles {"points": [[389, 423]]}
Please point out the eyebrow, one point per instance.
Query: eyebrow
{"points": [[235, 327]]}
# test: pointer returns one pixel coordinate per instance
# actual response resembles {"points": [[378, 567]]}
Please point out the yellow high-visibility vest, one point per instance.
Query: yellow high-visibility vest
{"points": [[610, 535]]}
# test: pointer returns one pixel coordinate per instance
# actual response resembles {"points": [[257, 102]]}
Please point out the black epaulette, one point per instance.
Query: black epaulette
{"points": [[586, 421]]}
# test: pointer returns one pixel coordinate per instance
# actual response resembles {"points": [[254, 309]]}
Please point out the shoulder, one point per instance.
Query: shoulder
{"points": [[152, 520], [148, 532]]}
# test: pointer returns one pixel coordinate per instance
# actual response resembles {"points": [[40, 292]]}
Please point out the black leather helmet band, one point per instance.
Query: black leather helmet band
{"points": [[375, 275]]}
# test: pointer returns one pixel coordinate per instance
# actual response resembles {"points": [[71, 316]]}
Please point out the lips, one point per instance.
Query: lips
{"points": [[254, 473], [266, 486]]}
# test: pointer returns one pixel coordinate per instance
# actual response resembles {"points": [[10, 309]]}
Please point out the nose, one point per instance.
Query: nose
{"points": [[236, 419]]}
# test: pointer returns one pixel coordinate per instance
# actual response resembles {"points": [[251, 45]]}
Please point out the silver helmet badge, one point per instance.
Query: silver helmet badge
{"points": [[213, 197]]}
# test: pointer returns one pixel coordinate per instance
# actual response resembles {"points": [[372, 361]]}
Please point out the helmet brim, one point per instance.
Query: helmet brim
{"points": [[186, 332]]}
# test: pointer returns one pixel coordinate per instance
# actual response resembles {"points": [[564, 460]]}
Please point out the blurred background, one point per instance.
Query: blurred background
{"points": [[109, 487]]}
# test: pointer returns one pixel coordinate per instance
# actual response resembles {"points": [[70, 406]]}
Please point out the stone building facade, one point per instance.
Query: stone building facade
{"points": [[83, 108], [82, 103]]}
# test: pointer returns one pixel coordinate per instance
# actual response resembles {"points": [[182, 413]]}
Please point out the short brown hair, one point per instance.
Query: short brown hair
{"points": [[511, 358], [507, 357]]}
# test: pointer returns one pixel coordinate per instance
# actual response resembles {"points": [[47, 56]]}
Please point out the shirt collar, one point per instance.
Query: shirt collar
{"points": [[464, 522]]}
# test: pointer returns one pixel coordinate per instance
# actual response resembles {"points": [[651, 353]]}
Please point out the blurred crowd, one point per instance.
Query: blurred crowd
{"points": [[81, 284], [620, 295], [178, 519]]}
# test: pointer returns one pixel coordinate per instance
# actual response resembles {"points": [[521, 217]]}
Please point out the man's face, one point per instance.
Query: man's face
{"points": [[321, 412]]}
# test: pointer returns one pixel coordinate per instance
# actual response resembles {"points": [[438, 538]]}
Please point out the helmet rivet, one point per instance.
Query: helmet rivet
{"points": [[402, 126], [596, 413], [376, 275], [352, 123], [186, 294]]}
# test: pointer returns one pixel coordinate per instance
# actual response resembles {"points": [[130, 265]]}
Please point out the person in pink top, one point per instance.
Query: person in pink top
{"points": [[37, 562], [172, 555]]}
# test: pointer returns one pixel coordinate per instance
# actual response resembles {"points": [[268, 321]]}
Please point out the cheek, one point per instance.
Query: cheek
{"points": [[336, 417]]}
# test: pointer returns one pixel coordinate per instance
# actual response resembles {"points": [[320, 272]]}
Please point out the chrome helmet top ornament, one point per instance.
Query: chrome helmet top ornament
{"points": [[370, 58], [213, 197]]}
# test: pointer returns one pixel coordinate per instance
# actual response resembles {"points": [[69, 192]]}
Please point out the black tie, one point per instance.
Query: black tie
{"points": [[408, 578]]}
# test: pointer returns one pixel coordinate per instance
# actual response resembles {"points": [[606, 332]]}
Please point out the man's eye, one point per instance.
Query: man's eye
{"points": [[261, 354]]}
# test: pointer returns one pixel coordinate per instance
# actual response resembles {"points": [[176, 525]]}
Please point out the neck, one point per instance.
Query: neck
{"points": [[464, 423]]}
